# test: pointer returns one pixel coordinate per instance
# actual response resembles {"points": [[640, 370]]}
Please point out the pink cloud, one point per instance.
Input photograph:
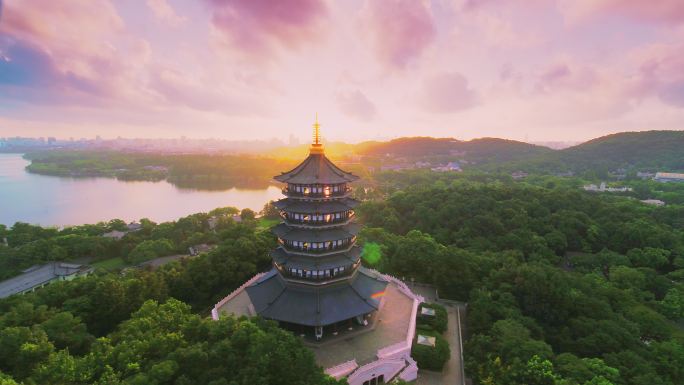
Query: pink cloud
{"points": [[565, 76], [661, 11], [400, 29], [63, 50], [260, 26], [356, 105], [448, 92], [165, 13]]}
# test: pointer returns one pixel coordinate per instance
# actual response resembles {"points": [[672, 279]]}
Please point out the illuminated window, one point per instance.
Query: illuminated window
{"points": [[306, 190], [326, 191]]}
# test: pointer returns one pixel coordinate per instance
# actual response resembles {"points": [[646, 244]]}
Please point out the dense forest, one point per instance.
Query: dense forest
{"points": [[149, 326], [563, 287]]}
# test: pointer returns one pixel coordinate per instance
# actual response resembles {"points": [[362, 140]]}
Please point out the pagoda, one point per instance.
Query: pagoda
{"points": [[317, 279]]}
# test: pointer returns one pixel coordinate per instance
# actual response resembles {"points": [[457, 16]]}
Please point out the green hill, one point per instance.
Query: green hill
{"points": [[652, 150], [631, 151], [484, 150]]}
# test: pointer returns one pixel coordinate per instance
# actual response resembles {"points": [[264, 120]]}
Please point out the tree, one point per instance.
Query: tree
{"points": [[673, 304], [270, 211]]}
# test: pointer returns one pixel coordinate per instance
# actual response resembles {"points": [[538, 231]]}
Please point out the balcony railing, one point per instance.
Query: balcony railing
{"points": [[318, 252], [320, 224], [310, 195]]}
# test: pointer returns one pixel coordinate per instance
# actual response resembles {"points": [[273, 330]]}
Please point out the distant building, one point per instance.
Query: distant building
{"points": [[451, 166], [133, 226], [236, 218], [199, 249], [396, 167], [654, 202], [645, 175], [669, 177], [115, 234], [604, 188], [213, 222], [519, 175], [40, 275]]}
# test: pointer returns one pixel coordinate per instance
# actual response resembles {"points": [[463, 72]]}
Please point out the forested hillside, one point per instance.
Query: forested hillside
{"points": [[564, 287], [631, 151], [484, 150]]}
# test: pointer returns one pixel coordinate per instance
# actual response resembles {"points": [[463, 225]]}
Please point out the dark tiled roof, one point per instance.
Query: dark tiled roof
{"points": [[316, 207], [316, 169], [38, 275], [308, 235], [315, 263], [273, 298]]}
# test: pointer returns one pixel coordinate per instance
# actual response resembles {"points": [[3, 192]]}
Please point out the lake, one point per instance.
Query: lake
{"points": [[57, 201]]}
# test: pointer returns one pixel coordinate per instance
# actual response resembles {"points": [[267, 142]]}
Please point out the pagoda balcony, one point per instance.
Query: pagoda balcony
{"points": [[345, 193], [317, 224], [319, 252], [322, 279]]}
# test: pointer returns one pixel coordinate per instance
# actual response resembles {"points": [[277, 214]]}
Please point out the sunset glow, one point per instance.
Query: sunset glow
{"points": [[254, 69]]}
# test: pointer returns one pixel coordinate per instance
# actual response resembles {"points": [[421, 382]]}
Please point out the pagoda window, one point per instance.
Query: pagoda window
{"points": [[305, 245], [338, 215], [306, 191], [306, 218], [326, 191]]}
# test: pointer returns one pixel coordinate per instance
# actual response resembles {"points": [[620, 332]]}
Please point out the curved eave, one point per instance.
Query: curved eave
{"points": [[288, 233], [316, 207], [282, 257], [316, 169], [273, 298]]}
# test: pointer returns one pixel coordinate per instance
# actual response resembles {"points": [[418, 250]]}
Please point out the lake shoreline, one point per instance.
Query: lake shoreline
{"points": [[52, 200]]}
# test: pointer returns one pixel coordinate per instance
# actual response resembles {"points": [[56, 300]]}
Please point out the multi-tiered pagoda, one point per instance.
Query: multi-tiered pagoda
{"points": [[317, 279]]}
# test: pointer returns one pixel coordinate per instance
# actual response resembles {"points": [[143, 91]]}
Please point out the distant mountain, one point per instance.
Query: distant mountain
{"points": [[646, 149], [482, 150], [642, 151]]}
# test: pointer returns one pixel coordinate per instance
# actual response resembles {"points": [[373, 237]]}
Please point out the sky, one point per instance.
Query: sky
{"points": [[534, 70]]}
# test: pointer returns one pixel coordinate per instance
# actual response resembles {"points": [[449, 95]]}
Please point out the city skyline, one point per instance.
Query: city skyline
{"points": [[248, 70]]}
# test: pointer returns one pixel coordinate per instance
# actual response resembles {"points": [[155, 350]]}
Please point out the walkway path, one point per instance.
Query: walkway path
{"points": [[453, 370]]}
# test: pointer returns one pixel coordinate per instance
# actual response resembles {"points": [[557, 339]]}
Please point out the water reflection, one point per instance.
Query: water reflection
{"points": [[48, 200]]}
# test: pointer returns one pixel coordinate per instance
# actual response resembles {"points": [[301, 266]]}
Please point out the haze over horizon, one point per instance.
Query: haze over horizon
{"points": [[252, 69]]}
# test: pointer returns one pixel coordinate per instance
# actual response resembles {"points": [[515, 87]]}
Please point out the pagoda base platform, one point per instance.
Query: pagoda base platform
{"points": [[381, 349]]}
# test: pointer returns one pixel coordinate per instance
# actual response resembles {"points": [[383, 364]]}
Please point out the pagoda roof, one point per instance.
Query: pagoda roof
{"points": [[288, 233], [282, 257], [319, 207], [316, 169], [274, 298]]}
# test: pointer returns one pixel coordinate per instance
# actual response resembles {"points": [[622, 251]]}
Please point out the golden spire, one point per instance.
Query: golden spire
{"points": [[316, 146]]}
